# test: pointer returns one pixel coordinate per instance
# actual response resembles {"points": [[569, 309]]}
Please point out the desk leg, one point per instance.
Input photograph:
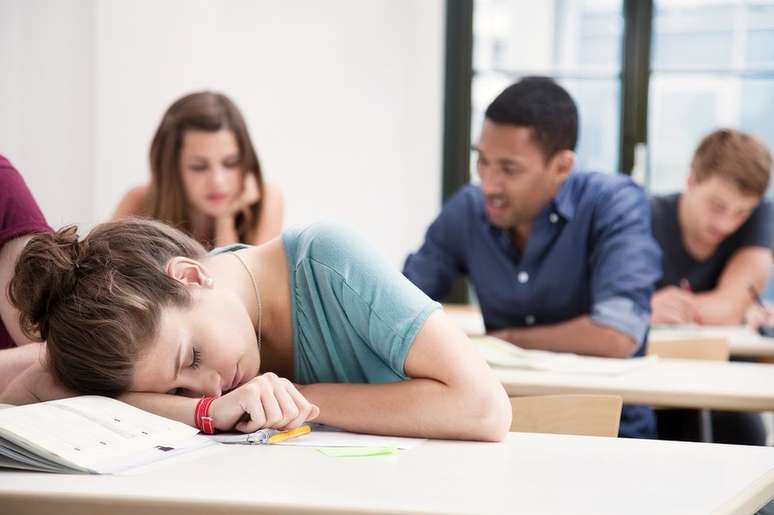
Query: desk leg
{"points": [[705, 425]]}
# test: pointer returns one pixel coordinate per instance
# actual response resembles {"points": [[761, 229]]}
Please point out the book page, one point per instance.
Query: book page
{"points": [[89, 432]]}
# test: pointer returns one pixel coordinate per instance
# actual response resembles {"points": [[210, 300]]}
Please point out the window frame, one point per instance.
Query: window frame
{"points": [[635, 77]]}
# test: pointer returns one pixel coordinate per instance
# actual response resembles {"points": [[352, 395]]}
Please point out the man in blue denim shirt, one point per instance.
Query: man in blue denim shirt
{"points": [[560, 260]]}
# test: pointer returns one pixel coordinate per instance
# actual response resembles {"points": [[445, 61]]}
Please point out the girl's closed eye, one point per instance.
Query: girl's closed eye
{"points": [[195, 358], [198, 167]]}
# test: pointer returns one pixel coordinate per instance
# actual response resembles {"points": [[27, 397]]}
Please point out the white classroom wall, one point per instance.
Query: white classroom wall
{"points": [[343, 99]]}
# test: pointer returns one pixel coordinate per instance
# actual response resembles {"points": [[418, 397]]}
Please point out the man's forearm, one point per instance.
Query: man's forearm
{"points": [[718, 309], [579, 335], [417, 407]]}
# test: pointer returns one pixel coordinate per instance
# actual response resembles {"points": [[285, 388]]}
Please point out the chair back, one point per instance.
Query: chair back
{"points": [[709, 349], [581, 414]]}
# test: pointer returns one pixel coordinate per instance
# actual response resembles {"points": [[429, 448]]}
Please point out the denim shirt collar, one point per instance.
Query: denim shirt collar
{"points": [[564, 202]]}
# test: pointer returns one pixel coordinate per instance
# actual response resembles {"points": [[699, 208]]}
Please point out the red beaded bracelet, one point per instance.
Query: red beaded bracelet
{"points": [[202, 418]]}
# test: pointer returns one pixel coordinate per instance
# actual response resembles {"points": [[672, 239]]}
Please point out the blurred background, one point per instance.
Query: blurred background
{"points": [[343, 100], [363, 111]]}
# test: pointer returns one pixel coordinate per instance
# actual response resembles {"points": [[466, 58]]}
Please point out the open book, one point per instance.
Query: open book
{"points": [[89, 434], [100, 435]]}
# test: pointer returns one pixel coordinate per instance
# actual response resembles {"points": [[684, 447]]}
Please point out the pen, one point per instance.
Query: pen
{"points": [[291, 433], [755, 296]]}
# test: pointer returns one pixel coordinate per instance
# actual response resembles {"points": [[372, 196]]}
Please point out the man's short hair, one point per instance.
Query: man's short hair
{"points": [[542, 105], [735, 156]]}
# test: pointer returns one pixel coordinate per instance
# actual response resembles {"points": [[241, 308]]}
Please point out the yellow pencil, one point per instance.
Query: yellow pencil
{"points": [[291, 433]]}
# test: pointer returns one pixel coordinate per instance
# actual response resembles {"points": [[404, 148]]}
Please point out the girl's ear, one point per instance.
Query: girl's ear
{"points": [[188, 271]]}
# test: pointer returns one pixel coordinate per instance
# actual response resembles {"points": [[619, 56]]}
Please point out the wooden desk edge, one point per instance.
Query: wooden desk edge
{"points": [[36, 503], [752, 498]]}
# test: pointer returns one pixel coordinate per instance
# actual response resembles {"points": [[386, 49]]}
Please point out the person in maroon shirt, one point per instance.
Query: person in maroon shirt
{"points": [[20, 218]]}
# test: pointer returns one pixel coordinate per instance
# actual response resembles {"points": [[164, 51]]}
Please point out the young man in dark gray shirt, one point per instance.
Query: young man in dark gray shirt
{"points": [[716, 239]]}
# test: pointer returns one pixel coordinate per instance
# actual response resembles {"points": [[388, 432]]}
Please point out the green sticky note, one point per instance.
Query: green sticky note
{"points": [[357, 452]]}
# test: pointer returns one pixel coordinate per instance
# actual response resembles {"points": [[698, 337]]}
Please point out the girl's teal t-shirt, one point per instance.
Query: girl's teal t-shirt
{"points": [[354, 315]]}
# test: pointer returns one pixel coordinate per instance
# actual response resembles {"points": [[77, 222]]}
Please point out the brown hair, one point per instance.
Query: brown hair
{"points": [[97, 301], [735, 156], [204, 111]]}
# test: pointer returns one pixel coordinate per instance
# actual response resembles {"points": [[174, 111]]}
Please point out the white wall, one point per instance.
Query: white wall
{"points": [[343, 99], [46, 107]]}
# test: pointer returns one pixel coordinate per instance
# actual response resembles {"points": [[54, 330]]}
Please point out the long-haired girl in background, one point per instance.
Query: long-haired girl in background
{"points": [[205, 176]]}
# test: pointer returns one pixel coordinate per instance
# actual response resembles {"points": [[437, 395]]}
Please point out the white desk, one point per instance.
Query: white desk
{"points": [[528, 473], [665, 383]]}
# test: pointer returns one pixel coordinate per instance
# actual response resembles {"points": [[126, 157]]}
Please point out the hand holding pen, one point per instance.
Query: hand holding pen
{"points": [[758, 315], [673, 305]]}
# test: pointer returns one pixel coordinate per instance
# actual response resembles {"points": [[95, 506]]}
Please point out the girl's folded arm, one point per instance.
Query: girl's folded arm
{"points": [[451, 393]]}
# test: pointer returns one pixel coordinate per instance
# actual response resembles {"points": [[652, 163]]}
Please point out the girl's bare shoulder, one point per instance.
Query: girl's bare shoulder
{"points": [[131, 202]]}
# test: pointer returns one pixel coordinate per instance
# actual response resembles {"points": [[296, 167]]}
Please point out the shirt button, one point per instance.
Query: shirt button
{"points": [[553, 217], [529, 319], [523, 277]]}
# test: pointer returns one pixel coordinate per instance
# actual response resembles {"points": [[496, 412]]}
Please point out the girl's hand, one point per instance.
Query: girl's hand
{"points": [[265, 401], [250, 195]]}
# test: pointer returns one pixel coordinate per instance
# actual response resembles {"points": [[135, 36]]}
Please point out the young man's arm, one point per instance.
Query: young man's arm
{"points": [[673, 305], [579, 335], [727, 303], [439, 261]]}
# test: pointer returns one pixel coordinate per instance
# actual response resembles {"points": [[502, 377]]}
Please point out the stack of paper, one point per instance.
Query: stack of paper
{"points": [[500, 353], [730, 333], [469, 320]]}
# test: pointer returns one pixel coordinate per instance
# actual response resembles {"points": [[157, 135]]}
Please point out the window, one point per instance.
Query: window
{"points": [[578, 42], [696, 64], [712, 66]]}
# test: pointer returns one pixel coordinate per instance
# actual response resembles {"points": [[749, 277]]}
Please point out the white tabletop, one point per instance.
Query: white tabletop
{"points": [[528, 473], [664, 382]]}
